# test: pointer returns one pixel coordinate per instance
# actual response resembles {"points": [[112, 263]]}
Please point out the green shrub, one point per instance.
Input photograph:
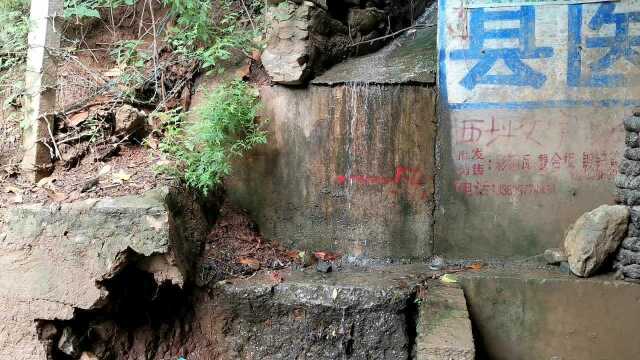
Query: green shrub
{"points": [[203, 151], [14, 28], [208, 30]]}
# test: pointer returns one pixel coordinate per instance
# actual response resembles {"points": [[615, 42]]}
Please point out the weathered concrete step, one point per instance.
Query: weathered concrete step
{"points": [[309, 315], [444, 329]]}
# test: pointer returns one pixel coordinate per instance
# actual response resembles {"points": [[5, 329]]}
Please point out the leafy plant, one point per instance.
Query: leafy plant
{"points": [[90, 8], [14, 28], [203, 151], [208, 31]]}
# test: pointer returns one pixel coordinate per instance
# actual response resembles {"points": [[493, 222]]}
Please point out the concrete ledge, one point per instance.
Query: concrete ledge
{"points": [[444, 329], [56, 257]]}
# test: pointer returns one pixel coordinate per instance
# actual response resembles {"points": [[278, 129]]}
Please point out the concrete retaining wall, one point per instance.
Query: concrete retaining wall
{"points": [[347, 168], [531, 121]]}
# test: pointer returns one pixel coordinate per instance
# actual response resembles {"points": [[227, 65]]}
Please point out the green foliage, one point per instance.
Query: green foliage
{"points": [[14, 28], [80, 9], [227, 129], [208, 31]]}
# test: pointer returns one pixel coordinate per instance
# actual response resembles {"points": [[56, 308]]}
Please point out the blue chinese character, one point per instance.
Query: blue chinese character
{"points": [[521, 73], [619, 46]]}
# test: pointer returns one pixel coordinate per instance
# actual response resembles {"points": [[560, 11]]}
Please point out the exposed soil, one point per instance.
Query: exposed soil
{"points": [[130, 172], [235, 247]]}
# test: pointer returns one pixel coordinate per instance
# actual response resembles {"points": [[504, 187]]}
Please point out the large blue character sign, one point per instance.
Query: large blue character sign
{"points": [[485, 25], [618, 47]]}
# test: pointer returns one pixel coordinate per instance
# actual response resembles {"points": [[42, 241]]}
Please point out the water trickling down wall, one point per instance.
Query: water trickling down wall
{"points": [[347, 168]]}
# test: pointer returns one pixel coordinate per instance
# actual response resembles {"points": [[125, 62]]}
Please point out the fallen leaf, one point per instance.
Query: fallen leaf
{"points": [[115, 72], [256, 55], [476, 266], [104, 170], [244, 71], [121, 177], [293, 254], [250, 262], [77, 119], [448, 279], [325, 256], [12, 189], [276, 277], [17, 199], [45, 181], [56, 196]]}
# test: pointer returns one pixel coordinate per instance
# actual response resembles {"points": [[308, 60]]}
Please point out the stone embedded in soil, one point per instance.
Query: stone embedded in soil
{"points": [[324, 266], [555, 256], [594, 237], [128, 120]]}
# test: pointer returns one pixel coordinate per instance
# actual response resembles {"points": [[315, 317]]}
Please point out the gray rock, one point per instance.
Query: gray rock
{"points": [[628, 196], [634, 229], [631, 243], [631, 271], [632, 123], [128, 120], [627, 182], [634, 214], [69, 343], [594, 237], [627, 257], [555, 256], [437, 263], [630, 167], [324, 266], [631, 139], [632, 154]]}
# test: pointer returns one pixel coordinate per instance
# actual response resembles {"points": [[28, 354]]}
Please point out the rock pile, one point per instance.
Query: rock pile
{"points": [[627, 262]]}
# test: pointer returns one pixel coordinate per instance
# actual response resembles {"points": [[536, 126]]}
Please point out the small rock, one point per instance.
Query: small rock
{"points": [[631, 139], [128, 120], [632, 123], [630, 167], [437, 263], [555, 256], [88, 356], [324, 267], [69, 343], [594, 237], [631, 271], [564, 267], [632, 154], [306, 258], [631, 243]]}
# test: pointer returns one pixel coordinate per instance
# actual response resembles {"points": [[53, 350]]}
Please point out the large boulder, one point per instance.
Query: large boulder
{"points": [[594, 237]]}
